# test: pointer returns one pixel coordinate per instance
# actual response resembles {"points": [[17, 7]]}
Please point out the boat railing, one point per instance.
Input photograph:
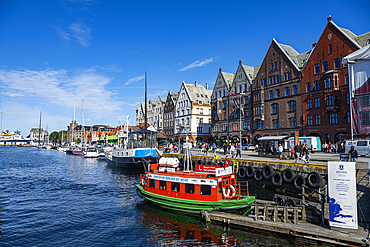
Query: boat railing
{"points": [[241, 188]]}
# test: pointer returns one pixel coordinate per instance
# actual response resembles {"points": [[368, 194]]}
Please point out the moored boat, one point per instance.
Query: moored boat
{"points": [[207, 187], [91, 152], [78, 152]]}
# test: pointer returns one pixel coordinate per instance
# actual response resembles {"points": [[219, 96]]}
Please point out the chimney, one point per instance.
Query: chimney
{"points": [[220, 70], [196, 83], [207, 85], [240, 62], [330, 18]]}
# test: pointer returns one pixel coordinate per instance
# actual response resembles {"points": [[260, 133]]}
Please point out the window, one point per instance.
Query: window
{"points": [[235, 90], [347, 79], [220, 93], [274, 81], [309, 104], [292, 105], [162, 185], [295, 89], [333, 118], [325, 66], [277, 79], [292, 122], [151, 183], [317, 86], [365, 119], [317, 68], [288, 76], [189, 188], [287, 91], [275, 123], [175, 187], [271, 94], [347, 98], [309, 120], [317, 103], [277, 93], [205, 189], [224, 93], [224, 104], [275, 65], [275, 108], [200, 120], [327, 83], [337, 63], [272, 66], [219, 105], [260, 125], [240, 88], [201, 111], [329, 100], [245, 87], [246, 100], [308, 87], [330, 49], [318, 119], [366, 100], [348, 117], [257, 110]]}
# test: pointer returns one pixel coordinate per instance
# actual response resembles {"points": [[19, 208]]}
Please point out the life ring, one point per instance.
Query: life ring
{"points": [[143, 180], [228, 187]]}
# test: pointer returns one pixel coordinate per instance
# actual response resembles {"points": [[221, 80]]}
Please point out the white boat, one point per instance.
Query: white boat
{"points": [[61, 149], [91, 152], [101, 154]]}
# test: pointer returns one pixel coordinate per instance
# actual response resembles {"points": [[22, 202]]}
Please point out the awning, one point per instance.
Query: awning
{"points": [[272, 138]]}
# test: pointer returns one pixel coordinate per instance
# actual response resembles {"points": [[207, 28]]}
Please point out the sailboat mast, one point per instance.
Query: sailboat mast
{"points": [[73, 120], [146, 112], [83, 124], [40, 128]]}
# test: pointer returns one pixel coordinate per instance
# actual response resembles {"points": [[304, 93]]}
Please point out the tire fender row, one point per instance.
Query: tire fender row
{"points": [[312, 180]]}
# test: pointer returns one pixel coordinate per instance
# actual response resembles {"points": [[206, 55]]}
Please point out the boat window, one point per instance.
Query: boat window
{"points": [[205, 189], [162, 185], [151, 183], [219, 187], [175, 187], [189, 188], [232, 181], [362, 143], [225, 181]]}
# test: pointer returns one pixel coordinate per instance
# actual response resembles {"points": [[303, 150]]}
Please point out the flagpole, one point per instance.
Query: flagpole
{"points": [[240, 117], [350, 68]]}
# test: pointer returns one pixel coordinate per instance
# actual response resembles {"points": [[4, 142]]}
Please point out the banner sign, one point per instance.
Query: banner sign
{"points": [[296, 138], [342, 194]]}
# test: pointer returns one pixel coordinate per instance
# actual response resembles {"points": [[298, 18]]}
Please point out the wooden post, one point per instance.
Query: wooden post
{"points": [[255, 212], [275, 213], [285, 214], [265, 213], [295, 215]]}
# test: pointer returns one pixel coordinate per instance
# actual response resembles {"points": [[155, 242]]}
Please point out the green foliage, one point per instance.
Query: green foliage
{"points": [[78, 140], [54, 137]]}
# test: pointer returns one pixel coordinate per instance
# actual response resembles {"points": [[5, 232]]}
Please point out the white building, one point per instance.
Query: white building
{"points": [[193, 113]]}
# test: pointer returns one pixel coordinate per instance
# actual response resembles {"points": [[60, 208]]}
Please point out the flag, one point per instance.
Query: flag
{"points": [[233, 94], [226, 159]]}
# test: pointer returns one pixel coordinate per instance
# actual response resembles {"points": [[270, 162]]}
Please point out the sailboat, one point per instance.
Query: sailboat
{"points": [[135, 147], [61, 148]]}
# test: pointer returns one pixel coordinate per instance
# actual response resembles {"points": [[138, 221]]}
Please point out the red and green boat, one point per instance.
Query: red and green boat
{"points": [[206, 187]]}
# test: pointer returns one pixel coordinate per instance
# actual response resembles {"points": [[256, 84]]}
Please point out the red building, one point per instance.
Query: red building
{"points": [[325, 89]]}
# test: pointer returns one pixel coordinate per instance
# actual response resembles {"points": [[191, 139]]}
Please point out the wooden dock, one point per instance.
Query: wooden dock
{"points": [[342, 237]]}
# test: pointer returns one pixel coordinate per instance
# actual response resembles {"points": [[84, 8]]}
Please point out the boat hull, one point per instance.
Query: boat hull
{"points": [[132, 158], [195, 206]]}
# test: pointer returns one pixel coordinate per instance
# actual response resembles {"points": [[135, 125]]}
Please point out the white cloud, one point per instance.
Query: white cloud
{"points": [[135, 79], [77, 32], [197, 64]]}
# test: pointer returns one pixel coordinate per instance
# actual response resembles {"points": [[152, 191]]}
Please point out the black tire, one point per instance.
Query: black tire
{"points": [[209, 163], [277, 179], [314, 179], [241, 172], [258, 174], [199, 162], [290, 202], [249, 172], [221, 164], [298, 181], [267, 172], [279, 201], [288, 175]]}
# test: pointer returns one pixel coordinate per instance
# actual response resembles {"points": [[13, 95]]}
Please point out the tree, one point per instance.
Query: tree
{"points": [[54, 137], [78, 140], [64, 136]]}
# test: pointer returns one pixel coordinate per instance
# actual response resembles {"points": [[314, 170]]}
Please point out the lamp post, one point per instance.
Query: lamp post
{"points": [[240, 119]]}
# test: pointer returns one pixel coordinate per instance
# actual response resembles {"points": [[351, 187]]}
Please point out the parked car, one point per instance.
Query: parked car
{"points": [[247, 147]]}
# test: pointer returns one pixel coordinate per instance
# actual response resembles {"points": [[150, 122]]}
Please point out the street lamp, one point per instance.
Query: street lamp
{"points": [[240, 117]]}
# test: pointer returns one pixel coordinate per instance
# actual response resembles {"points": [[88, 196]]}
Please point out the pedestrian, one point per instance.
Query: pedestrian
{"points": [[214, 149], [256, 147], [306, 157], [353, 154], [297, 153], [232, 150], [280, 149], [225, 148], [238, 152], [171, 147]]}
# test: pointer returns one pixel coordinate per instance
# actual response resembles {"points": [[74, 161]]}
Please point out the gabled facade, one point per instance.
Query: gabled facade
{"points": [[277, 102], [140, 114], [240, 98], [220, 105], [325, 83], [193, 113], [158, 113], [169, 115]]}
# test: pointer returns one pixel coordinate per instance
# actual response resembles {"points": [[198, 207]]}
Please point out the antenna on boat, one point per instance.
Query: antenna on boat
{"points": [[146, 116]]}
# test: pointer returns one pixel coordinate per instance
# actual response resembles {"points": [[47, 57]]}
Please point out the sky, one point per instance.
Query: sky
{"points": [[57, 54]]}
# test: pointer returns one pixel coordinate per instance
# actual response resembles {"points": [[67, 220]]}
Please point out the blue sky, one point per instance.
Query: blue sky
{"points": [[53, 53]]}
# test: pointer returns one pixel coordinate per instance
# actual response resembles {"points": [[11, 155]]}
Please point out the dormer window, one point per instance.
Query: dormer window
{"points": [[197, 94]]}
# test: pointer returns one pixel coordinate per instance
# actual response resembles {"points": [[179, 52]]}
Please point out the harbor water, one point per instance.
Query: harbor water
{"points": [[49, 198]]}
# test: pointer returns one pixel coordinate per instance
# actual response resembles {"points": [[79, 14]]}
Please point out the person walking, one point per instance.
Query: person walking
{"points": [[306, 154], [232, 150], [296, 152], [353, 154], [238, 152], [280, 149]]}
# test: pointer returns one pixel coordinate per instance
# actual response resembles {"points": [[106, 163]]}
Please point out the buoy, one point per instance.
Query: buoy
{"points": [[228, 188], [279, 201]]}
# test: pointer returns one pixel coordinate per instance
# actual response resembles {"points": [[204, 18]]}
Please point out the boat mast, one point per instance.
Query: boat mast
{"points": [[83, 124], [73, 120], [146, 117], [40, 128]]}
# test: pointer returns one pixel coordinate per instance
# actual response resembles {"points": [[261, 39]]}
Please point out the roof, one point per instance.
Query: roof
{"points": [[298, 60], [198, 92], [251, 71], [272, 138], [228, 77]]}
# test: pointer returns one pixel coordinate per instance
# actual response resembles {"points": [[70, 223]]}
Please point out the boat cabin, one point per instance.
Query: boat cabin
{"points": [[204, 182]]}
